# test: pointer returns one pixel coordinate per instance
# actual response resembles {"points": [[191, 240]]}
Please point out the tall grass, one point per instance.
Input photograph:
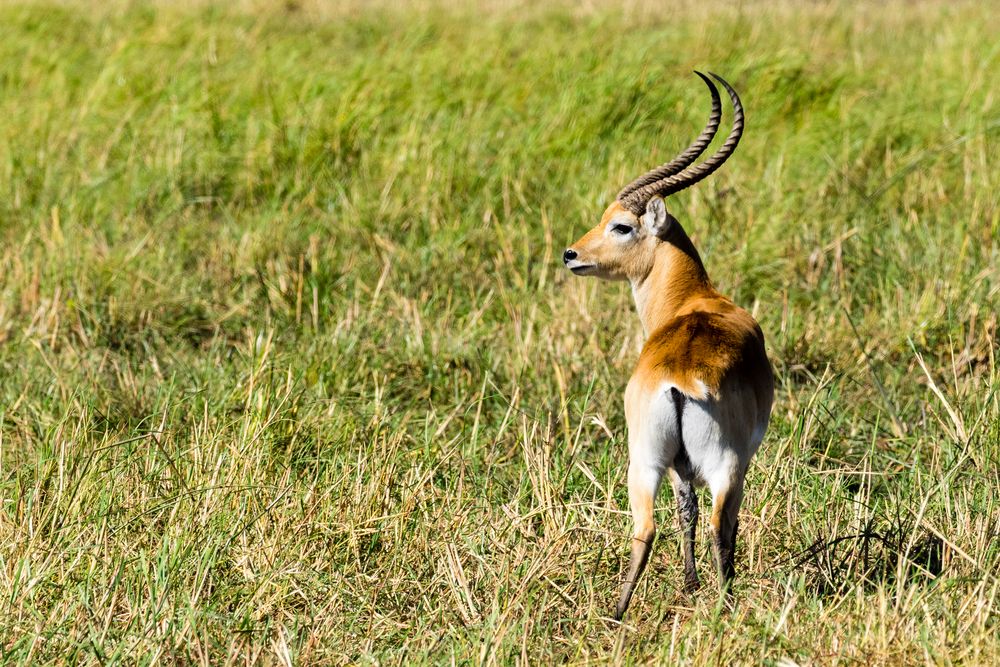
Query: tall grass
{"points": [[290, 372]]}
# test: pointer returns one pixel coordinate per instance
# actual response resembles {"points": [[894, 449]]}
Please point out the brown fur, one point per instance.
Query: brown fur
{"points": [[709, 340]]}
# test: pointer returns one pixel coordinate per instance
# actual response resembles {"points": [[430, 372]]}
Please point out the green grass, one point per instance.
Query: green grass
{"points": [[290, 371]]}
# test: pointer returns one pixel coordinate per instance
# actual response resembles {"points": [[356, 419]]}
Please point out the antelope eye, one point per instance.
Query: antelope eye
{"points": [[622, 229]]}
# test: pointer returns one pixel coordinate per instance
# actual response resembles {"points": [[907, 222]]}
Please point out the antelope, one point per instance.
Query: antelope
{"points": [[699, 400]]}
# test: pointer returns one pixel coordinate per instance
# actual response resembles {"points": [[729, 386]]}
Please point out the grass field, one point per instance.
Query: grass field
{"points": [[291, 373]]}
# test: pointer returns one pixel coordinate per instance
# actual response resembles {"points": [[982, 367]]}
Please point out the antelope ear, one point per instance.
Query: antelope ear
{"points": [[656, 219]]}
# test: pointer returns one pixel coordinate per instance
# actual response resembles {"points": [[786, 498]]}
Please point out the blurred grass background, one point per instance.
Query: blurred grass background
{"points": [[290, 372]]}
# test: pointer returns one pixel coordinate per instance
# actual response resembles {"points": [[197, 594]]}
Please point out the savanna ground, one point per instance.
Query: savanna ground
{"points": [[290, 371]]}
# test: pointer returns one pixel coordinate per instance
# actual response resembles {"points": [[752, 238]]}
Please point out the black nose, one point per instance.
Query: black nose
{"points": [[568, 255]]}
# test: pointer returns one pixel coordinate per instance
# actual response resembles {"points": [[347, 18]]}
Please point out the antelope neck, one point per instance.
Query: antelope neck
{"points": [[676, 277]]}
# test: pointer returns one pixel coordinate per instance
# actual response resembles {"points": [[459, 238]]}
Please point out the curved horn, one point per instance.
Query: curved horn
{"points": [[636, 200], [690, 154]]}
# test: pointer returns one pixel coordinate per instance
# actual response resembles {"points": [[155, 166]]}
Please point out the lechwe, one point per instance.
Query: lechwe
{"points": [[700, 398]]}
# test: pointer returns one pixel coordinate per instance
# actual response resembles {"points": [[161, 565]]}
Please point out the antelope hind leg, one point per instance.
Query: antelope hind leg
{"points": [[643, 483], [725, 523]]}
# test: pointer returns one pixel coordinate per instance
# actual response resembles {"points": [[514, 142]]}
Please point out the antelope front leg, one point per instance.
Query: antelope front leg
{"points": [[687, 513], [643, 482]]}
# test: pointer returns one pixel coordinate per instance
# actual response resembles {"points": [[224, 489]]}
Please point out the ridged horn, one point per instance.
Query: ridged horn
{"points": [[690, 154], [635, 201]]}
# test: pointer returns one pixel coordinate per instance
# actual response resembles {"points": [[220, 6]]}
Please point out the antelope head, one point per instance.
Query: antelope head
{"points": [[623, 246]]}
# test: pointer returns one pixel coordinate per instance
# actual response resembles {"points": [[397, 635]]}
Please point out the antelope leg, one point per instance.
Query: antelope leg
{"points": [[643, 483]]}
